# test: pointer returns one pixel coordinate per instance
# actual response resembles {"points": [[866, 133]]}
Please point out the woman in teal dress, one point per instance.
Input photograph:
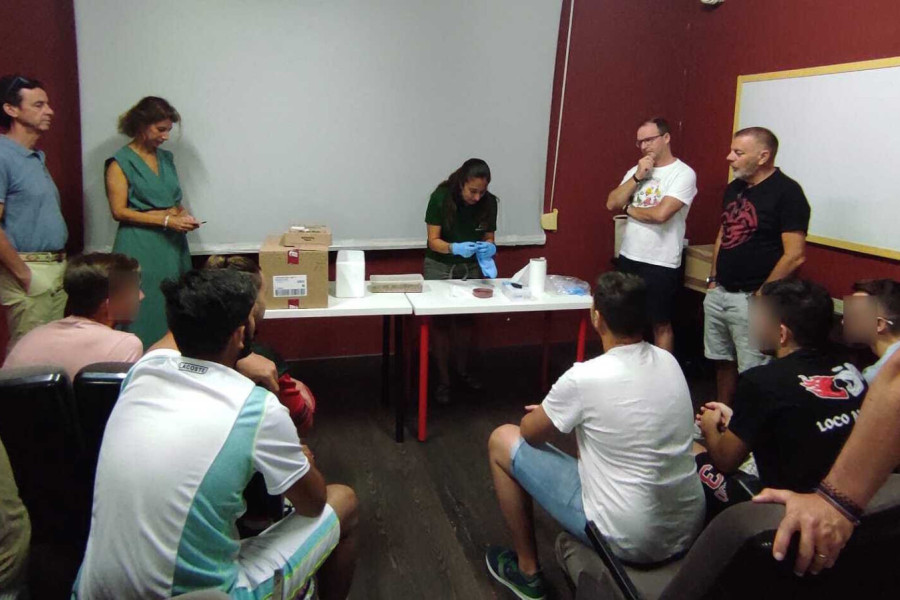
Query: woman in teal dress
{"points": [[145, 199]]}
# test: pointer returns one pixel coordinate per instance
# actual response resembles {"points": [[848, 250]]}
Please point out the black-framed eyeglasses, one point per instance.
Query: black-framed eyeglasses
{"points": [[640, 143], [18, 79]]}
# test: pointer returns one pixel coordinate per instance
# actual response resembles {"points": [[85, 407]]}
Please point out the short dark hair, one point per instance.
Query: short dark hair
{"points": [[92, 278], [205, 306], [148, 110], [621, 299], [11, 87], [887, 293], [661, 124], [804, 307], [762, 135], [237, 262]]}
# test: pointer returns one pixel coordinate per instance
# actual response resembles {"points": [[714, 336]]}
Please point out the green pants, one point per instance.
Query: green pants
{"points": [[45, 300]]}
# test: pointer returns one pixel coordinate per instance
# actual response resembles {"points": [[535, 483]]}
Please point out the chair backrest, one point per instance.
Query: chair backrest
{"points": [[97, 388], [39, 428], [733, 556]]}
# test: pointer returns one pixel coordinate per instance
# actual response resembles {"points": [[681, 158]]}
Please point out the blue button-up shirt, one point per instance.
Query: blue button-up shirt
{"points": [[32, 219]]}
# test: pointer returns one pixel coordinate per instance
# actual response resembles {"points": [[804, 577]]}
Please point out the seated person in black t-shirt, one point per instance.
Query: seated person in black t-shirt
{"points": [[794, 413]]}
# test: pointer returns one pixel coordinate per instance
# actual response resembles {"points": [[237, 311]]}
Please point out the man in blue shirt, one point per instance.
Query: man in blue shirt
{"points": [[33, 233], [872, 317]]}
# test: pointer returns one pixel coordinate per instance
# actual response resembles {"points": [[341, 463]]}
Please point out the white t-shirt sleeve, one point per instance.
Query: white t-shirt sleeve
{"points": [[277, 453], [563, 404], [683, 186], [629, 174]]}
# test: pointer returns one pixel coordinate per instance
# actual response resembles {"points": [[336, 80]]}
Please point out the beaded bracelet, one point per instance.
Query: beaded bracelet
{"points": [[847, 507]]}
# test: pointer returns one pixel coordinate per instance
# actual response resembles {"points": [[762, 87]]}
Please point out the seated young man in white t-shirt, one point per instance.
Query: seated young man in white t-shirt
{"points": [[104, 290], [186, 435], [635, 476]]}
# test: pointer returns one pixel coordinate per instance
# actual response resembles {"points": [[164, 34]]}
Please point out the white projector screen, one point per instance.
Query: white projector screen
{"points": [[835, 126], [339, 112]]}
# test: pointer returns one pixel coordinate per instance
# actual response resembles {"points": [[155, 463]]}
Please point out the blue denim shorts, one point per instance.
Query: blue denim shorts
{"points": [[550, 476]]}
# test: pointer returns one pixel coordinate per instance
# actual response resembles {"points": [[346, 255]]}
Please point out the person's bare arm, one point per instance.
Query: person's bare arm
{"points": [[872, 451], [726, 450], [715, 258], [489, 236], [794, 243], [658, 214], [117, 195], [260, 370], [435, 242], [621, 196], [536, 427], [11, 261], [308, 494]]}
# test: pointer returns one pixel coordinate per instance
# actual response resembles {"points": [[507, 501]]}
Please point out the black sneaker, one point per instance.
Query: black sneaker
{"points": [[503, 565]]}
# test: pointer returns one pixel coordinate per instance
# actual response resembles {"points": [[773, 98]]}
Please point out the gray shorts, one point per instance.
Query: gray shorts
{"points": [[726, 329]]}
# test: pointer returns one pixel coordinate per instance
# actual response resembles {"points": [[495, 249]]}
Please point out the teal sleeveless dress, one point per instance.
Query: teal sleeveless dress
{"points": [[162, 253]]}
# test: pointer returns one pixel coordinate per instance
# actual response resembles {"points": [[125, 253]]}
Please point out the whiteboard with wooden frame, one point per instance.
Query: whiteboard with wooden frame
{"points": [[839, 133]]}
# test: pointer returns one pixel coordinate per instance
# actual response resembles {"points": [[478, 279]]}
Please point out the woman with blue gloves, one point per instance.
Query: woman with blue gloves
{"points": [[461, 219]]}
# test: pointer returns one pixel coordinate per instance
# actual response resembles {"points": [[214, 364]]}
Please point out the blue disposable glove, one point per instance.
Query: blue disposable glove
{"points": [[488, 268], [464, 249], [485, 249]]}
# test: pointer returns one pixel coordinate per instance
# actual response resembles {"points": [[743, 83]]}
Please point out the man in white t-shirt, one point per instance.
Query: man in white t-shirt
{"points": [[185, 437], [635, 475], [656, 195]]}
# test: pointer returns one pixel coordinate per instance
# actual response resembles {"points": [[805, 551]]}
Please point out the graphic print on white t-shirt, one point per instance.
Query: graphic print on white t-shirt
{"points": [[648, 194], [660, 243]]}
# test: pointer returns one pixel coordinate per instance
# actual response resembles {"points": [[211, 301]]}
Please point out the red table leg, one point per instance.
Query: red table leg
{"points": [[423, 378], [582, 336], [545, 359]]}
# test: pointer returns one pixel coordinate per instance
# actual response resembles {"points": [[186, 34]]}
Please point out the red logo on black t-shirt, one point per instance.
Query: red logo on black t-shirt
{"points": [[845, 383], [739, 222]]}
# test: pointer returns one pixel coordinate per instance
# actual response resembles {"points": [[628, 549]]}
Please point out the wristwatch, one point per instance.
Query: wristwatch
{"points": [[711, 279], [636, 180]]}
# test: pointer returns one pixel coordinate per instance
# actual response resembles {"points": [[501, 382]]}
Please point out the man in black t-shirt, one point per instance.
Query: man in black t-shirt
{"points": [[794, 413], [762, 238]]}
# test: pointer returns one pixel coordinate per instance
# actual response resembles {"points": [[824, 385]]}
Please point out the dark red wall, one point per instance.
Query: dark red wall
{"points": [[629, 59], [740, 38]]}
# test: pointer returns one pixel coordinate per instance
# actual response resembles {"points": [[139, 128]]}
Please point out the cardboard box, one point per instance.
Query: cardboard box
{"points": [[295, 277], [697, 266], [307, 237]]}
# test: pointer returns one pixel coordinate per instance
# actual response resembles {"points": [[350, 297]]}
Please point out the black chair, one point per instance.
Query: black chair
{"points": [[97, 388], [39, 428], [732, 558]]}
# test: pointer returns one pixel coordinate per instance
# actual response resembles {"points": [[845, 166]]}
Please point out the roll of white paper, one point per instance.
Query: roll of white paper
{"points": [[537, 276]]}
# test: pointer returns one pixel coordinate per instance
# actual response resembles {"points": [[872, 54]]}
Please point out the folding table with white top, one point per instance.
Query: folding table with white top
{"points": [[455, 297]]}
